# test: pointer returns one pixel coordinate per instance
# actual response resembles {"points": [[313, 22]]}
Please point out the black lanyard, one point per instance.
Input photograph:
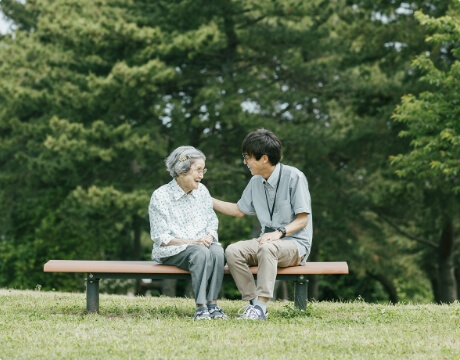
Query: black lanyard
{"points": [[276, 191]]}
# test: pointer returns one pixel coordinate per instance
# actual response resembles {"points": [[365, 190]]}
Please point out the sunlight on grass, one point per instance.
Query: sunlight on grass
{"points": [[35, 325]]}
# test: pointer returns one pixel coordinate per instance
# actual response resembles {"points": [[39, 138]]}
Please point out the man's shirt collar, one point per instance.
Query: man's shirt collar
{"points": [[273, 179]]}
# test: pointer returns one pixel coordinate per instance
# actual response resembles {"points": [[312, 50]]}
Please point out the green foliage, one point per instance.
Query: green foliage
{"points": [[94, 95], [432, 116], [431, 164], [78, 152]]}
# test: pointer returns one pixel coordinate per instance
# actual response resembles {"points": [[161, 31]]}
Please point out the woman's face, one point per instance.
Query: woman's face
{"points": [[192, 179]]}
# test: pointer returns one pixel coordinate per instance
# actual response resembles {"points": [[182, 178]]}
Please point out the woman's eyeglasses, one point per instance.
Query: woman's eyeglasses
{"points": [[200, 171]]}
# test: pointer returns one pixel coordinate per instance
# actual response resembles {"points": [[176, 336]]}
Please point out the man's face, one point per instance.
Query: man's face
{"points": [[254, 166]]}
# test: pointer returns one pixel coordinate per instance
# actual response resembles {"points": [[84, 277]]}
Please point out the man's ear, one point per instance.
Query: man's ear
{"points": [[265, 159]]}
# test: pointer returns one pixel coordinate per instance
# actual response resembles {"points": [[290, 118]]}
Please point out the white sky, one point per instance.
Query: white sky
{"points": [[4, 26]]}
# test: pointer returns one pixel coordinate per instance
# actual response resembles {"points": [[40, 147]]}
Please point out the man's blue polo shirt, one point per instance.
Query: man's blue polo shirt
{"points": [[292, 198]]}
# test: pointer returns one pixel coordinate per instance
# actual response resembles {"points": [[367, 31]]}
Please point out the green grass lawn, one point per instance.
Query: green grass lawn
{"points": [[51, 325]]}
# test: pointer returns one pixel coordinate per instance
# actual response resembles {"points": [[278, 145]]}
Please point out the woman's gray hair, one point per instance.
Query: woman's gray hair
{"points": [[181, 159]]}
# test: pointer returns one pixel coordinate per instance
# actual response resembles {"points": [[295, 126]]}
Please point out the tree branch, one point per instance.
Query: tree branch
{"points": [[406, 234], [252, 22]]}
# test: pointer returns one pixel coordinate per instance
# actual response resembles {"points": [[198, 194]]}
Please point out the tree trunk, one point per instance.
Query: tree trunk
{"points": [[434, 286], [446, 275], [457, 278], [232, 40], [388, 285]]}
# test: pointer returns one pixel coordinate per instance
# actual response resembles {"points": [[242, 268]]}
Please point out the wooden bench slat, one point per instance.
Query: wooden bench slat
{"points": [[151, 267], [98, 270]]}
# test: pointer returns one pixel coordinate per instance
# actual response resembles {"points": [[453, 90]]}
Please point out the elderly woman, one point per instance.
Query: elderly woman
{"points": [[183, 226]]}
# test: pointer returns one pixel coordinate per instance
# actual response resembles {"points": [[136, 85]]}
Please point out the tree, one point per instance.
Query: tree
{"points": [[78, 144], [21, 15], [94, 94], [431, 120]]}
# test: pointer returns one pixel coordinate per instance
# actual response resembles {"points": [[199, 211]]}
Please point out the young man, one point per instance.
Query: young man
{"points": [[278, 195]]}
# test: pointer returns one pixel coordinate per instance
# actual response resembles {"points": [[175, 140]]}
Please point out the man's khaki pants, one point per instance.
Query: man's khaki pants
{"points": [[269, 256]]}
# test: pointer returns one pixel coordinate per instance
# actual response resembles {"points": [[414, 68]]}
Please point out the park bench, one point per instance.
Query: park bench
{"points": [[97, 270]]}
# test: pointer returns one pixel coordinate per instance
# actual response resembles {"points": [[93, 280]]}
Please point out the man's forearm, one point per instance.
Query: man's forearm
{"points": [[227, 208], [299, 223]]}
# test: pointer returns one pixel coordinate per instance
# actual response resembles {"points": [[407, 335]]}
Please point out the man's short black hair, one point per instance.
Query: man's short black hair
{"points": [[263, 142]]}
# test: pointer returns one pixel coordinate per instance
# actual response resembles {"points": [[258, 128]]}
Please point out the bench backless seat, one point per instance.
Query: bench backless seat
{"points": [[97, 270]]}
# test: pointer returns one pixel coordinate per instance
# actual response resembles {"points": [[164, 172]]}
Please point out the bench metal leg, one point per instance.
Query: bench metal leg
{"points": [[300, 293], [92, 294]]}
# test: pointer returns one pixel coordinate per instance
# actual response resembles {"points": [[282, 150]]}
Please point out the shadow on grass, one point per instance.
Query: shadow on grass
{"points": [[171, 311]]}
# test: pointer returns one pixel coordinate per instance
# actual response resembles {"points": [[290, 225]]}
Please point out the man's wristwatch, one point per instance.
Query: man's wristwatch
{"points": [[283, 231]]}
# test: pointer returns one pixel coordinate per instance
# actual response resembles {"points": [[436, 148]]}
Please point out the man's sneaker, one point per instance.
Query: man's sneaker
{"points": [[202, 315], [243, 315], [217, 313], [266, 311], [253, 312]]}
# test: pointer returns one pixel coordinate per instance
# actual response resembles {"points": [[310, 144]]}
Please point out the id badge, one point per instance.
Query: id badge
{"points": [[268, 229]]}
